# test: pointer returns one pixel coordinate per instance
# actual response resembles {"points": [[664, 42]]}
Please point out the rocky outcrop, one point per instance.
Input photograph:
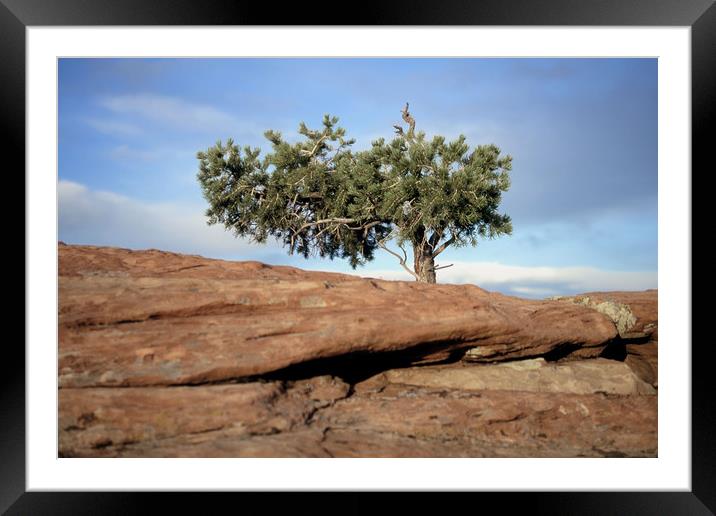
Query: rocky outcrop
{"points": [[633, 313], [151, 318], [390, 420], [141, 421], [636, 316], [535, 375], [168, 355]]}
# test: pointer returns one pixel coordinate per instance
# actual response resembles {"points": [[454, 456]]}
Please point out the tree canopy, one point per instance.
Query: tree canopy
{"points": [[319, 197]]}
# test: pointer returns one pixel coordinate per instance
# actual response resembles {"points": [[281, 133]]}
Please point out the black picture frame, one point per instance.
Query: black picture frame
{"points": [[16, 15]]}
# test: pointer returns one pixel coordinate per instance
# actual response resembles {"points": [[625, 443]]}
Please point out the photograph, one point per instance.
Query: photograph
{"points": [[261, 243], [357, 257]]}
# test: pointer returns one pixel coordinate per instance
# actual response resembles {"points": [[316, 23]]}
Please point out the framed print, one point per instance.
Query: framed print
{"points": [[167, 354]]}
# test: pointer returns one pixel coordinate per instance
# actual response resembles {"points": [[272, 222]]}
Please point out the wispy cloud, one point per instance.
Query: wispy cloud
{"points": [[165, 153], [125, 152], [535, 282], [113, 127], [170, 112], [104, 218]]}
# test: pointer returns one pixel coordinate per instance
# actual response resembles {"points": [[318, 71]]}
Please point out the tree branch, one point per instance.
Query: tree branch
{"points": [[405, 254], [340, 221], [443, 267], [435, 238], [401, 260], [444, 246], [408, 120], [310, 153], [326, 221], [316, 223], [311, 195]]}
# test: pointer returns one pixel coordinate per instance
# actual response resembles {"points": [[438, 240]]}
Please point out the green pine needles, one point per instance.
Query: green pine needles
{"points": [[320, 198]]}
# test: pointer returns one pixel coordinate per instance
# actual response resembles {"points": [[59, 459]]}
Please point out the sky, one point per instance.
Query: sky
{"points": [[582, 134]]}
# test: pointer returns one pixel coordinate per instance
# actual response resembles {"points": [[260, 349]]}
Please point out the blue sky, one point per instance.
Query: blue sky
{"points": [[582, 134]]}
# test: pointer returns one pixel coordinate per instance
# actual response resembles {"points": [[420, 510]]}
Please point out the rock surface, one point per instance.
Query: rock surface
{"points": [[639, 329], [393, 420], [152, 318], [634, 313], [168, 355], [115, 422], [536, 375]]}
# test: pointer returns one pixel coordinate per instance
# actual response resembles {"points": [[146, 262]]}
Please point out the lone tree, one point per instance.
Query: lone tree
{"points": [[318, 196]]}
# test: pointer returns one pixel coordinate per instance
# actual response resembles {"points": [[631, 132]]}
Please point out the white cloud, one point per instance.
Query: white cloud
{"points": [[105, 218], [536, 282], [113, 127], [132, 154], [127, 153], [170, 112]]}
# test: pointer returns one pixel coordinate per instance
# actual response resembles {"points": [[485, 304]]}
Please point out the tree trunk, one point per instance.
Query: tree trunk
{"points": [[424, 265]]}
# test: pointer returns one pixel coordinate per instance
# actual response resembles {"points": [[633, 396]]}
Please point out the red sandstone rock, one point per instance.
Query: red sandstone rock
{"points": [[106, 422], [151, 318], [644, 306], [641, 342], [391, 420], [178, 332], [536, 375], [499, 423], [636, 315]]}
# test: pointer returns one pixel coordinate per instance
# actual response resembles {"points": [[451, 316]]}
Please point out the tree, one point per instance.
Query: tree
{"points": [[317, 196]]}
